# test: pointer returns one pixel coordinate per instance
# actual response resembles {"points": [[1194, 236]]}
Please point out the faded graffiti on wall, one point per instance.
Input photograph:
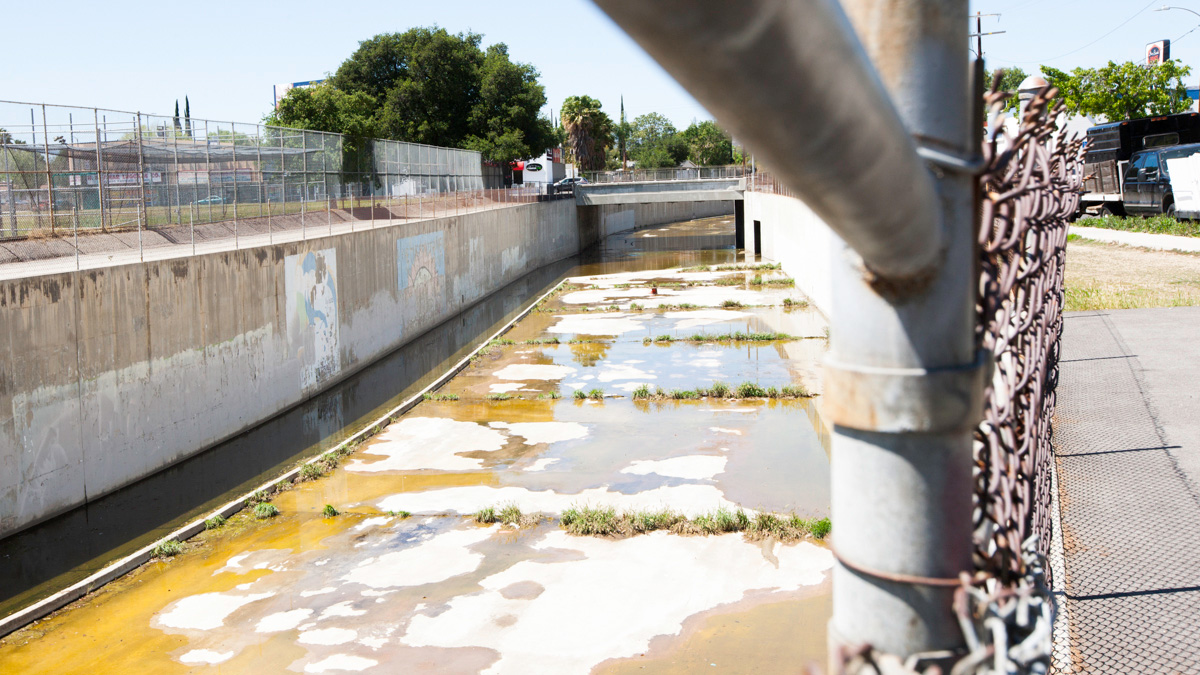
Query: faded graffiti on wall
{"points": [[421, 262], [310, 284]]}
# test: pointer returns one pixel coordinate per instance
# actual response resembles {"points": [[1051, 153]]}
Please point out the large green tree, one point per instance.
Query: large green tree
{"points": [[655, 142], [1010, 81], [1121, 91], [426, 85], [707, 144], [589, 131]]}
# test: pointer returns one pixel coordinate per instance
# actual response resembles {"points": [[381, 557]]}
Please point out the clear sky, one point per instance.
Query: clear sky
{"points": [[226, 54]]}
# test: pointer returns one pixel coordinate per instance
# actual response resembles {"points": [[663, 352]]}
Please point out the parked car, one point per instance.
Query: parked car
{"points": [[215, 199], [571, 182], [1113, 148]]}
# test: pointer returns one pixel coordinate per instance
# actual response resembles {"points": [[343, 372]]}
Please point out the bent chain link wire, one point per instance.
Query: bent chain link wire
{"points": [[1030, 186]]}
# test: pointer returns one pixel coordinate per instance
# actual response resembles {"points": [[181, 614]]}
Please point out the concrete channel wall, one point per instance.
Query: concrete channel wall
{"points": [[109, 375], [795, 237], [613, 218]]}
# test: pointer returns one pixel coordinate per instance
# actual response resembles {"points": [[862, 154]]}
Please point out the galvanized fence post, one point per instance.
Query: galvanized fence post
{"points": [[49, 175], [141, 210]]}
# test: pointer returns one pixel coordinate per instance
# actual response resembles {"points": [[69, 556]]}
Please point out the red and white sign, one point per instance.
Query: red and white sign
{"points": [[1157, 52]]}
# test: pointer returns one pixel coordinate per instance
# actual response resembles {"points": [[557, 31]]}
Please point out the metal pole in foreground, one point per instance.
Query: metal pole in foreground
{"points": [[903, 385]]}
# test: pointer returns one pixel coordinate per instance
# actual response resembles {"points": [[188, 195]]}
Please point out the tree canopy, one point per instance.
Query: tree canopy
{"points": [[708, 144], [1121, 91], [1010, 80], [426, 85]]}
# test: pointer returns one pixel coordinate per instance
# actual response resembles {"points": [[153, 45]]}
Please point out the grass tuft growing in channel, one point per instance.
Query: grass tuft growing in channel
{"points": [[607, 522], [499, 397], [543, 341], [722, 390], [216, 522], [167, 549], [509, 515], [399, 514], [795, 304], [732, 304], [264, 510], [329, 511], [310, 472], [441, 397]]}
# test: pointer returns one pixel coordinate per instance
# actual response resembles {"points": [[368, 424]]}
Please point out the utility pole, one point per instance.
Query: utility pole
{"points": [[978, 34]]}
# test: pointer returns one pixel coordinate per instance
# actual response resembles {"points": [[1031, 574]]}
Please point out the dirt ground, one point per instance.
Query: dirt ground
{"points": [[1111, 276]]}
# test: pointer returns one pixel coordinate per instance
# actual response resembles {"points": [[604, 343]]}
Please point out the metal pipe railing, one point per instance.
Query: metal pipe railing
{"points": [[790, 80], [903, 383]]}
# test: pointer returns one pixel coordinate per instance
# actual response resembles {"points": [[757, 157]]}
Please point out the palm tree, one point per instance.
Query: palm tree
{"points": [[589, 131]]}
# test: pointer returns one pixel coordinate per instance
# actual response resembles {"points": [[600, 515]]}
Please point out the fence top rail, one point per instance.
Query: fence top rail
{"points": [[4, 124]]}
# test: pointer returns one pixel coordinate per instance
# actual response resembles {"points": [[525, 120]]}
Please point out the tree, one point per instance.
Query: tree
{"points": [[589, 131], [707, 144], [656, 142], [178, 126], [326, 108], [1121, 91], [1010, 81], [187, 116], [623, 136], [505, 121]]}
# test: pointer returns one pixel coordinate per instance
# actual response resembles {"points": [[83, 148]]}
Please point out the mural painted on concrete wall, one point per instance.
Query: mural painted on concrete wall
{"points": [[310, 281], [421, 262]]}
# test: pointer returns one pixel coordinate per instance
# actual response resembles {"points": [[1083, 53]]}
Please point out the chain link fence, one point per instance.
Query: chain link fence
{"points": [[98, 185], [675, 173]]}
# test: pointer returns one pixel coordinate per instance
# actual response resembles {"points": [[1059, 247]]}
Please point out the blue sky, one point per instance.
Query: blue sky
{"points": [[226, 55]]}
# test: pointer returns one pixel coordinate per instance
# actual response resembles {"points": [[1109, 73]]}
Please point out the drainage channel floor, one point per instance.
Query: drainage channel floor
{"points": [[403, 578]]}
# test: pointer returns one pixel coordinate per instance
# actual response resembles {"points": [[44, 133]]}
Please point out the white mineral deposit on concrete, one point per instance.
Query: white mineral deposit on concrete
{"points": [[619, 371], [691, 467], [279, 621], [319, 591], [341, 609], [703, 317], [691, 500], [429, 443], [436, 559], [723, 430], [205, 656], [609, 323], [533, 371], [544, 432], [205, 611], [372, 522], [606, 595], [327, 636], [340, 662], [504, 388], [373, 642], [629, 386], [541, 464]]}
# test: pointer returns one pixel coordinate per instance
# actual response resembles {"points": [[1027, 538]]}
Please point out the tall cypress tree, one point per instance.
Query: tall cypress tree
{"points": [[177, 125], [621, 133], [187, 115]]}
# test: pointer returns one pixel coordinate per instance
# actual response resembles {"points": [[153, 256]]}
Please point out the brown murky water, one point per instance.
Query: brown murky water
{"points": [[368, 591]]}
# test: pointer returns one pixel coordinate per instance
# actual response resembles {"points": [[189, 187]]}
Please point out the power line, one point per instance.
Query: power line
{"points": [[1073, 51]]}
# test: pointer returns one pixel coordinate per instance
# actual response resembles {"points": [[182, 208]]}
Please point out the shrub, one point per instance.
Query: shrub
{"points": [[215, 522], [264, 510], [329, 511]]}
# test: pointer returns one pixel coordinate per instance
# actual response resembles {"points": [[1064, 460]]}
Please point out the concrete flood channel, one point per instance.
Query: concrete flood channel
{"points": [[404, 578]]}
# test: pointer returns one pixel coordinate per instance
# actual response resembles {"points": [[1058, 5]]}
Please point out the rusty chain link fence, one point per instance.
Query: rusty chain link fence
{"points": [[1029, 189]]}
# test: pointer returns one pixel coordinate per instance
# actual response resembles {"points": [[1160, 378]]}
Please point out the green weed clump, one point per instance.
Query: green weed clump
{"points": [[509, 515], [399, 514], [498, 397], [553, 395], [264, 510], [729, 282], [167, 549], [215, 522], [719, 390], [580, 394], [642, 392], [329, 511], [485, 516], [683, 394], [751, 390], [310, 472], [589, 521], [795, 303], [596, 394], [633, 306], [732, 304], [543, 341], [664, 338], [606, 521], [441, 397]]}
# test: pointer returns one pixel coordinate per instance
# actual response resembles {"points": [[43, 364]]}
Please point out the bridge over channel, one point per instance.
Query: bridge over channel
{"points": [[644, 192]]}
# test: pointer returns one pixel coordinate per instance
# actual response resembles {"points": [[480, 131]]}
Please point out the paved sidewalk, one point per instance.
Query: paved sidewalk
{"points": [[1163, 242], [1127, 437]]}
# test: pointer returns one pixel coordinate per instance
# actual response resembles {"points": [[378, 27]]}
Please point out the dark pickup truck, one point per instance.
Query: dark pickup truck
{"points": [[1147, 180], [1124, 169]]}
